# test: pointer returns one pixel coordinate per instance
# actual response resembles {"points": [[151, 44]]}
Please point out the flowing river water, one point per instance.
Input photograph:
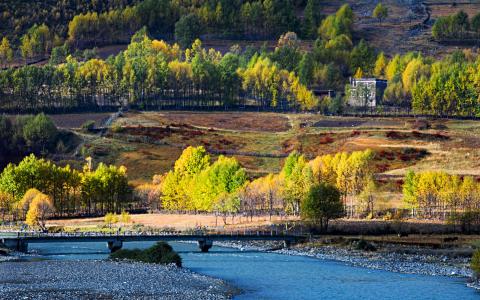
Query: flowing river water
{"points": [[263, 275]]}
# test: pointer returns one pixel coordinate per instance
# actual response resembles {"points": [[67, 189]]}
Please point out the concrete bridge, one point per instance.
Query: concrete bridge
{"points": [[114, 242]]}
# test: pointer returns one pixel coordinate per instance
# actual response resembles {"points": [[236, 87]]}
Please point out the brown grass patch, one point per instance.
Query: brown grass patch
{"points": [[71, 121], [239, 121], [178, 221]]}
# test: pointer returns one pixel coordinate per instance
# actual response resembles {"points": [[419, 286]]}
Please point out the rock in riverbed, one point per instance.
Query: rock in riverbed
{"points": [[105, 280]]}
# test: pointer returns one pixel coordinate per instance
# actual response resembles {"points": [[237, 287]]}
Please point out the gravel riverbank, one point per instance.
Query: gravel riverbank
{"points": [[105, 280], [387, 258]]}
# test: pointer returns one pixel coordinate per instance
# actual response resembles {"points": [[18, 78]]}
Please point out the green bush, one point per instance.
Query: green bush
{"points": [[134, 254], [160, 253], [475, 262], [364, 245]]}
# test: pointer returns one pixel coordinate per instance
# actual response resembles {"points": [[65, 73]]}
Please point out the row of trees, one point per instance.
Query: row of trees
{"points": [[439, 195], [225, 18], [456, 27], [35, 44], [72, 192], [116, 21], [18, 16], [447, 87], [196, 184], [451, 87], [153, 74], [222, 187], [92, 29], [87, 24]]}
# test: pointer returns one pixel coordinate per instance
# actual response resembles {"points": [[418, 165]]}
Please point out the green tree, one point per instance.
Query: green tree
{"points": [[298, 180], [321, 204], [187, 29], [475, 23], [311, 18], [26, 48], [40, 133], [380, 12], [59, 55], [306, 69], [363, 57], [215, 188], [158, 15]]}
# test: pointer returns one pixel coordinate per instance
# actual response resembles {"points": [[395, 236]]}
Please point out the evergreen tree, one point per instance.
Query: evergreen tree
{"points": [[187, 29], [380, 12]]}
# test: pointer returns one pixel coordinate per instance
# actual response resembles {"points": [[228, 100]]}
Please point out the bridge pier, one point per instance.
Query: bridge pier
{"points": [[205, 245], [114, 246], [16, 244]]}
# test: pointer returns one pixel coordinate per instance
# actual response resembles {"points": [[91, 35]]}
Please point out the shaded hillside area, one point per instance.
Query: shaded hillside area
{"points": [[408, 26]]}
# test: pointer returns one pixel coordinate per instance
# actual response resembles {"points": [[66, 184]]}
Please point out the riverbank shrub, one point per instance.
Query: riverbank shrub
{"points": [[475, 263], [160, 253], [364, 245]]}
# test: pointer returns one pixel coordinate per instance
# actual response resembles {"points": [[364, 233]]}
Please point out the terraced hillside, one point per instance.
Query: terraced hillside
{"points": [[149, 142]]}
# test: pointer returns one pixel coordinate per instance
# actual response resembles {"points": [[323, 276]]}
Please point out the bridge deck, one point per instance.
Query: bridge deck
{"points": [[49, 238]]}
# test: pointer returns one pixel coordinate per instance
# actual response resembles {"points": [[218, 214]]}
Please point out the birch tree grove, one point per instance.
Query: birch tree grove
{"points": [[438, 195]]}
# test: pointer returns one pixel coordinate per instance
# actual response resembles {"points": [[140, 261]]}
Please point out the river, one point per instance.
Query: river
{"points": [[263, 275]]}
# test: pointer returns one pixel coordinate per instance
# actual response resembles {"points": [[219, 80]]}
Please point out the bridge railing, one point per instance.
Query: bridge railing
{"points": [[206, 233]]}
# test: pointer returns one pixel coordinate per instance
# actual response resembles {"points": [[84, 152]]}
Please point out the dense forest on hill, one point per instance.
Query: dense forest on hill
{"points": [[89, 21], [18, 16], [153, 74]]}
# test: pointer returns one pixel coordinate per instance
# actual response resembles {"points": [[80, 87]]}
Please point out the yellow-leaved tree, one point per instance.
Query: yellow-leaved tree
{"points": [[24, 204], [39, 210], [110, 219], [380, 65]]}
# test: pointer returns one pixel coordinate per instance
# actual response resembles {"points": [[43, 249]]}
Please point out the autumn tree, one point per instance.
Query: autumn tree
{"points": [[27, 200], [110, 218], [176, 185], [380, 65], [40, 208], [298, 180], [409, 192], [367, 198], [338, 24], [6, 52], [6, 204]]}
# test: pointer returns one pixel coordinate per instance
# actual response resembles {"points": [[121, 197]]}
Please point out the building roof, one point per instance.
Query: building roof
{"points": [[368, 79]]}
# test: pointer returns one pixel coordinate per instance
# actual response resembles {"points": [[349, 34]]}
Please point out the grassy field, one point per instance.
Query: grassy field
{"points": [[151, 141], [177, 221]]}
